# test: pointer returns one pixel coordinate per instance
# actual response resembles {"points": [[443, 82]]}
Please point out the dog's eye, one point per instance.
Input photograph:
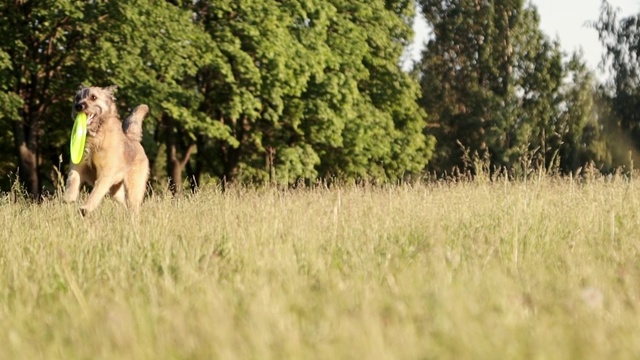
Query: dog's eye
{"points": [[93, 97]]}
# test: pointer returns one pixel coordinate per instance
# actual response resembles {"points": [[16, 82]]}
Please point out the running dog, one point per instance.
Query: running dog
{"points": [[114, 160]]}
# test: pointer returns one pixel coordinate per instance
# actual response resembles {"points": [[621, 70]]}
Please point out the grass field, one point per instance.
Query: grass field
{"points": [[546, 269]]}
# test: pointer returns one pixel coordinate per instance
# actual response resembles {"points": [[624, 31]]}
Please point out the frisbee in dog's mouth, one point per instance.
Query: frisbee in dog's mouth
{"points": [[79, 136]]}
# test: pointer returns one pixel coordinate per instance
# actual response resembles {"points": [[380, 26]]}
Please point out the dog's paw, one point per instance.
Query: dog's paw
{"points": [[84, 211]]}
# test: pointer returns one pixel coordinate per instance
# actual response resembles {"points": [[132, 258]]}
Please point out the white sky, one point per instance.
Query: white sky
{"points": [[564, 19]]}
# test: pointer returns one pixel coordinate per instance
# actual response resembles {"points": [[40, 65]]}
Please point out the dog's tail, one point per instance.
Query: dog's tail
{"points": [[132, 125]]}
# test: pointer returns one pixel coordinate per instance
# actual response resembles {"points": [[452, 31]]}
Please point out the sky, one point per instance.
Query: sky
{"points": [[564, 19]]}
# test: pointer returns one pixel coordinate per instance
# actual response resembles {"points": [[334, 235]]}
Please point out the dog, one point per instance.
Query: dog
{"points": [[114, 160]]}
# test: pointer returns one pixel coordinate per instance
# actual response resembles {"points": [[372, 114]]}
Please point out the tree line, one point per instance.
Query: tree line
{"points": [[301, 90]]}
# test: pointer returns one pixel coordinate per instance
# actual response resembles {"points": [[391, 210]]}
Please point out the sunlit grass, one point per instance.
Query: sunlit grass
{"points": [[543, 269]]}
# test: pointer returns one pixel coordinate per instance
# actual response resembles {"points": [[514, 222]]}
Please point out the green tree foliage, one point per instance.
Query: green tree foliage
{"points": [[253, 89], [384, 132], [314, 90], [495, 87]]}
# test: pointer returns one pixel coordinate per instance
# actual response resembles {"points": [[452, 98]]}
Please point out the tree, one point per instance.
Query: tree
{"points": [[467, 75], [38, 50], [313, 88], [537, 92], [10, 102], [576, 136], [494, 85], [261, 67], [384, 129], [621, 39]]}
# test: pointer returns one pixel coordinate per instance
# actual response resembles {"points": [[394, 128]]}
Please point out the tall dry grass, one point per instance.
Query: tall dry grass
{"points": [[470, 270]]}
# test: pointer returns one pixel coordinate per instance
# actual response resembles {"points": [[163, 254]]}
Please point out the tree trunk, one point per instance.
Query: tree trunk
{"points": [[229, 163], [26, 147], [231, 155], [196, 173], [174, 171], [175, 164]]}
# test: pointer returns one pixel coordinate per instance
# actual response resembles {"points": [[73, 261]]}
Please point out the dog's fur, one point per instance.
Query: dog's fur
{"points": [[114, 161]]}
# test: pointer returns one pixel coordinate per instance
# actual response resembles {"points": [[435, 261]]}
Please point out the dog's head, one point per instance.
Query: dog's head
{"points": [[96, 102]]}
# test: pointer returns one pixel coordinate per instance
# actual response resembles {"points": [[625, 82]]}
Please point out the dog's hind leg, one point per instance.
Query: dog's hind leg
{"points": [[118, 193], [72, 188], [136, 187]]}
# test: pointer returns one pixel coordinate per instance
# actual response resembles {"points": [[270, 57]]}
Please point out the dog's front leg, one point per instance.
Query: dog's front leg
{"points": [[100, 190], [72, 188]]}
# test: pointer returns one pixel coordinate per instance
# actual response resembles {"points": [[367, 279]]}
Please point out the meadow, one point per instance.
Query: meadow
{"points": [[540, 269]]}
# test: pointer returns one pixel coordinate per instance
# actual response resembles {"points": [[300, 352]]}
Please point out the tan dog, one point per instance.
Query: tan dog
{"points": [[114, 161]]}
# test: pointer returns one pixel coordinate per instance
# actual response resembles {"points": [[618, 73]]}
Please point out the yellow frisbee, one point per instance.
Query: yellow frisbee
{"points": [[78, 137]]}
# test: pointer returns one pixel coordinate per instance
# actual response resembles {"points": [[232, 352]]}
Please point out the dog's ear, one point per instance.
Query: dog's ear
{"points": [[111, 89], [82, 87]]}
